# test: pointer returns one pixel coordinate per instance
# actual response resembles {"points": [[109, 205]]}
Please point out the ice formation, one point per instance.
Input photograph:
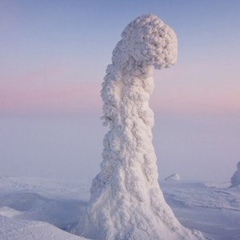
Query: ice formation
{"points": [[126, 200], [173, 177], [235, 180]]}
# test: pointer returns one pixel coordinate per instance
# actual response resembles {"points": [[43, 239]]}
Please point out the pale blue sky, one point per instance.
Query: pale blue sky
{"points": [[53, 56]]}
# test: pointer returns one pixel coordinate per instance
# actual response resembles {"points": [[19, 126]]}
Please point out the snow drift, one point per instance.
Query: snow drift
{"points": [[126, 200]]}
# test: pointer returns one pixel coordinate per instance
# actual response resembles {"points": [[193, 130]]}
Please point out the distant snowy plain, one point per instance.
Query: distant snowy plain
{"points": [[37, 209]]}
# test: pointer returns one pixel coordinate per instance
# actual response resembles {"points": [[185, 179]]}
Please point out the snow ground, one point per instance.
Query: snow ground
{"points": [[37, 209], [211, 208]]}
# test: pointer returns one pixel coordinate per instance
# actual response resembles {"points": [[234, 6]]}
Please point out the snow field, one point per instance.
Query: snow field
{"points": [[39, 209]]}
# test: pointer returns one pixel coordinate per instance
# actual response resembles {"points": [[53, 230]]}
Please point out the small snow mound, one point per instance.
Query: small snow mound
{"points": [[17, 229], [8, 212], [173, 177], [235, 179]]}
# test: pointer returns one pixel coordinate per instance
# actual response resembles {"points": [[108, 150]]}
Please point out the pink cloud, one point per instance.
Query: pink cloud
{"points": [[182, 89], [40, 76], [197, 89], [65, 98], [86, 98], [53, 89], [218, 99]]}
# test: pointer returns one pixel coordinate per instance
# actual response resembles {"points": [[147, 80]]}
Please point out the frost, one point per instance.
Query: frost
{"points": [[235, 180], [126, 200]]}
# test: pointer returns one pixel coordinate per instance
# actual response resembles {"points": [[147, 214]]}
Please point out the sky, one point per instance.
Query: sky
{"points": [[53, 56]]}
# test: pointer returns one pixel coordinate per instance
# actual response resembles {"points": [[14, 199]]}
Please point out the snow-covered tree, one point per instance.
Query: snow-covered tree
{"points": [[126, 200], [235, 180]]}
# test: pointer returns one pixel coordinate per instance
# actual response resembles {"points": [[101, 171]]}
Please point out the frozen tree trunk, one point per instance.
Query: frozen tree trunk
{"points": [[126, 200]]}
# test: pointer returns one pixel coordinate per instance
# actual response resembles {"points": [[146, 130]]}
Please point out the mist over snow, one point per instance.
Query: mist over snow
{"points": [[56, 147], [61, 146], [196, 103]]}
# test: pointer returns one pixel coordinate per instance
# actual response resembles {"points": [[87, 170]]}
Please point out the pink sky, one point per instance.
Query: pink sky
{"points": [[181, 89]]}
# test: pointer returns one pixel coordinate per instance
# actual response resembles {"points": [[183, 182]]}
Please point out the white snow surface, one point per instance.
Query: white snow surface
{"points": [[126, 201], [12, 229], [40, 209]]}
